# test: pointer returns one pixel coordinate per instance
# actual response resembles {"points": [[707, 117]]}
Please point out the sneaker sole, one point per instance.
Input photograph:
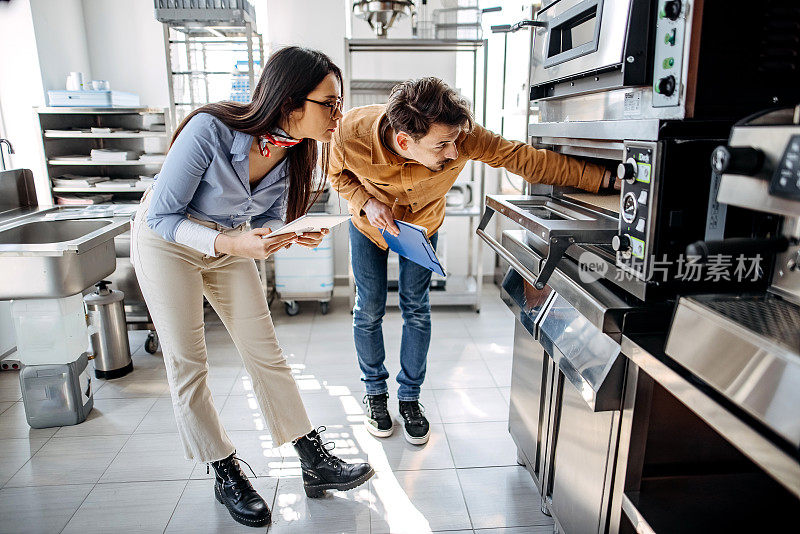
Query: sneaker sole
{"points": [[377, 432], [316, 491], [239, 519], [422, 440]]}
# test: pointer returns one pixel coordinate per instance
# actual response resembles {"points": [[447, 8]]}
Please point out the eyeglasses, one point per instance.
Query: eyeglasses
{"points": [[335, 106]]}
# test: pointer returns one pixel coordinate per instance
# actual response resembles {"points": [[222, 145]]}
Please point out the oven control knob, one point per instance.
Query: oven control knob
{"points": [[666, 85], [627, 170], [743, 160], [672, 9], [621, 243]]}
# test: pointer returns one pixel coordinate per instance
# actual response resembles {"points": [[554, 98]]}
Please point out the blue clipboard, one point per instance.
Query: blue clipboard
{"points": [[412, 243]]}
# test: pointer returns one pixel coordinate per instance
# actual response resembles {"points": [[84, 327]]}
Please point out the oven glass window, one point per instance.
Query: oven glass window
{"points": [[573, 33]]}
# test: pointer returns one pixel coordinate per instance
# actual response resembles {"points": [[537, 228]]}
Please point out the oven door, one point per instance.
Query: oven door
{"points": [[559, 223], [580, 36]]}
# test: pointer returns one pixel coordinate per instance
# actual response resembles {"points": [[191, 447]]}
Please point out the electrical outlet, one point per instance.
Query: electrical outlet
{"points": [[10, 364]]}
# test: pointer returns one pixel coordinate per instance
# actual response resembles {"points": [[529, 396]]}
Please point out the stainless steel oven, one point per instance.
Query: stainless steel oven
{"points": [[650, 89], [668, 59]]}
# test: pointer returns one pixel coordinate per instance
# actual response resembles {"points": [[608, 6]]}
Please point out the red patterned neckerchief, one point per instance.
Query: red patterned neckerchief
{"points": [[278, 138]]}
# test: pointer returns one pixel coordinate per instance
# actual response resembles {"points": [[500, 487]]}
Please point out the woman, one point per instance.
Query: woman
{"points": [[228, 163]]}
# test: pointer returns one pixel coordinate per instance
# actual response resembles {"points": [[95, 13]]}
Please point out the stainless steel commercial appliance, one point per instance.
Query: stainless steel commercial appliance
{"points": [[710, 434], [380, 15], [106, 311], [649, 89], [757, 335]]}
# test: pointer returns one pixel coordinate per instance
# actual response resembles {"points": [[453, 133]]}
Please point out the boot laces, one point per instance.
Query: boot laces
{"points": [[413, 412], [241, 482], [377, 405], [324, 448]]}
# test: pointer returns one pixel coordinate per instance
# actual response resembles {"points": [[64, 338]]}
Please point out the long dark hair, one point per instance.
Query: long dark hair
{"points": [[288, 77]]}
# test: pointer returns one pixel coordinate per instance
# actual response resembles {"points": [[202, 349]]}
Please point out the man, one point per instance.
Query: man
{"points": [[397, 162]]}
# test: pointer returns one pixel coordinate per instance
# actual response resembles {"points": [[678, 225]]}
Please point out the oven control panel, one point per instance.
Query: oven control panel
{"points": [[786, 179], [668, 64], [632, 243]]}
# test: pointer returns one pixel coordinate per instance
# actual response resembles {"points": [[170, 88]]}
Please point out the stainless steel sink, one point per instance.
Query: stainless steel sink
{"points": [[45, 258], [49, 232]]}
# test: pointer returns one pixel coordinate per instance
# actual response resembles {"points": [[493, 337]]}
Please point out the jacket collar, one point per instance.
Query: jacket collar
{"points": [[380, 154]]}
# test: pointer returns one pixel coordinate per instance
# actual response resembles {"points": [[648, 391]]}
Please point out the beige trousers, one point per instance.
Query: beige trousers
{"points": [[173, 279]]}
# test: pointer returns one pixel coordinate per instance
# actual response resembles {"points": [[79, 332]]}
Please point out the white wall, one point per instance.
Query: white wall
{"points": [[126, 47], [310, 23], [21, 89], [61, 41], [8, 338]]}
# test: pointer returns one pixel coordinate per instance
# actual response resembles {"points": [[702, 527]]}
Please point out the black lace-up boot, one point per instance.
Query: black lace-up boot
{"points": [[323, 471], [379, 423], [417, 429], [237, 494]]}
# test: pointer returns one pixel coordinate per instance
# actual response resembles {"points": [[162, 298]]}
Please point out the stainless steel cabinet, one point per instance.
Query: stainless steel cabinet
{"points": [[565, 410], [527, 414], [582, 459]]}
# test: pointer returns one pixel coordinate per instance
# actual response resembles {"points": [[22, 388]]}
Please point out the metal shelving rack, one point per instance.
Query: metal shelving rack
{"points": [[209, 62], [213, 52], [464, 290], [62, 136]]}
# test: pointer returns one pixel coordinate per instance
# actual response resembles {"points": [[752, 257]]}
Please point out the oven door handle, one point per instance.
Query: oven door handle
{"points": [[511, 28], [517, 265], [558, 247]]}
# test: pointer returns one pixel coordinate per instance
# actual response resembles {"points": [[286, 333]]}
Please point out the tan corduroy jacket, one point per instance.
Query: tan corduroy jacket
{"points": [[361, 168]]}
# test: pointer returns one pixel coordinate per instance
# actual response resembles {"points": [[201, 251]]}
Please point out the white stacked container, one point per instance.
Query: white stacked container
{"points": [[52, 342], [303, 273]]}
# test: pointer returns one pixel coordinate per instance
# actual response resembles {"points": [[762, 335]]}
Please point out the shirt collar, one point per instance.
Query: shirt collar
{"points": [[380, 154], [240, 147]]}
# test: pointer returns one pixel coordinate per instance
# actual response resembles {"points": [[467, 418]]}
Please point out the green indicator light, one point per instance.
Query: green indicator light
{"points": [[669, 62]]}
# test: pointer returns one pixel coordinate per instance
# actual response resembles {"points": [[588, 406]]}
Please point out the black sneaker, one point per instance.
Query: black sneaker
{"points": [[417, 429], [379, 423]]}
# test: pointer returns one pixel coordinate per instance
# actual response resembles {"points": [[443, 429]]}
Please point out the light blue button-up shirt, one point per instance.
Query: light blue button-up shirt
{"points": [[206, 174]]}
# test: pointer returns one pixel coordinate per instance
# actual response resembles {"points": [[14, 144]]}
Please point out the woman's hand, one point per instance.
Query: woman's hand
{"points": [[255, 244], [312, 239]]}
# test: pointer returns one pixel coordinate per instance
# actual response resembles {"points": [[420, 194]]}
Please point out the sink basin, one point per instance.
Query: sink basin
{"points": [[49, 232], [41, 258]]}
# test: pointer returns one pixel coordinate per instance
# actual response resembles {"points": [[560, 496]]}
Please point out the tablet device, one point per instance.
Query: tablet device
{"points": [[312, 222]]}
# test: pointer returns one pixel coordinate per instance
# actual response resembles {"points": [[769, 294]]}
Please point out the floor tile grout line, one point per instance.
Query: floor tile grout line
{"points": [[171, 515], [460, 487], [78, 508], [46, 441], [120, 450]]}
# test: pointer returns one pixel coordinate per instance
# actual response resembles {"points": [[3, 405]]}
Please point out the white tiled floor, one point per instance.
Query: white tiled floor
{"points": [[123, 469]]}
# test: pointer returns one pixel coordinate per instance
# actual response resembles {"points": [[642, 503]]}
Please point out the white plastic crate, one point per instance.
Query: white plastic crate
{"points": [[50, 331], [303, 273]]}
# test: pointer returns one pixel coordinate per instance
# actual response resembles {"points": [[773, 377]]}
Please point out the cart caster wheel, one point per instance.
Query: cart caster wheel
{"points": [[323, 307], [292, 308], [151, 345]]}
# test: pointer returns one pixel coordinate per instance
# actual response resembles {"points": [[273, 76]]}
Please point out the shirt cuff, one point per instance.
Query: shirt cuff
{"points": [[359, 198], [197, 236], [592, 177]]}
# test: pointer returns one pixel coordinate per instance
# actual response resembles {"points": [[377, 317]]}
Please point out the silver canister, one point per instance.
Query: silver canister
{"points": [[112, 353]]}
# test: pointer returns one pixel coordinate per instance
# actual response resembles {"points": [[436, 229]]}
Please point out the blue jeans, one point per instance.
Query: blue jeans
{"points": [[369, 271]]}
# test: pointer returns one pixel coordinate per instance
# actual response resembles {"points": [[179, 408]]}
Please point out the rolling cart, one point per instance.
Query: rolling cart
{"points": [[304, 274]]}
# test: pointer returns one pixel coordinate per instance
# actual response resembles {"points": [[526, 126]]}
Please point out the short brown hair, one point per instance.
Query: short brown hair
{"points": [[415, 105]]}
